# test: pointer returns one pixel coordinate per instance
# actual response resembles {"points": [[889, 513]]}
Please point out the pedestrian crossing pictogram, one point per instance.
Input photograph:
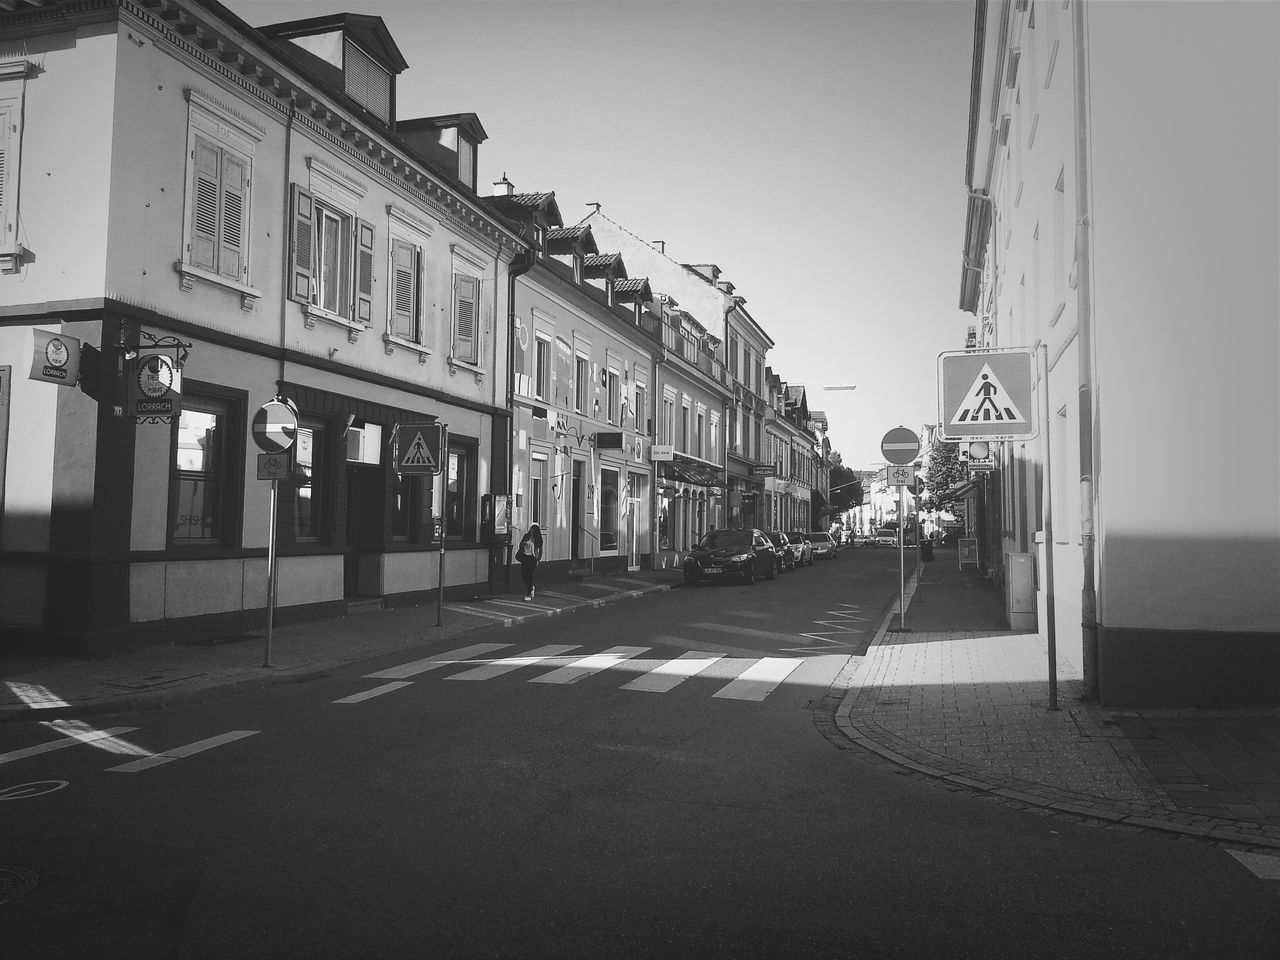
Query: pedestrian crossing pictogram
{"points": [[987, 401], [419, 454]]}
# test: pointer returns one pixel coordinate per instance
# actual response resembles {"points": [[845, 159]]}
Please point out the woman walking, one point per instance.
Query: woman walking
{"points": [[529, 553]]}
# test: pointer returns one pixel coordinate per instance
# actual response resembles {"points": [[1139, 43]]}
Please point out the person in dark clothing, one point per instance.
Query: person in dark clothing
{"points": [[529, 553]]}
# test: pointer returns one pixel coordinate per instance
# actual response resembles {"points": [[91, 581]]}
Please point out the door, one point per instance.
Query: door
{"points": [[575, 513], [362, 565]]}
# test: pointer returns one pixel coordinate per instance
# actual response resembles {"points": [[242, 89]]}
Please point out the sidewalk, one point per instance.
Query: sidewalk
{"points": [[47, 688], [957, 697]]}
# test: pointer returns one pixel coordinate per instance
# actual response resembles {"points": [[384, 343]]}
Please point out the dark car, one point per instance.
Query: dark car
{"points": [[802, 547], [732, 553], [786, 550]]}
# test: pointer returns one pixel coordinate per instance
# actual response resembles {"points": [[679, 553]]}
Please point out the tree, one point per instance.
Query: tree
{"points": [[942, 472], [845, 487]]}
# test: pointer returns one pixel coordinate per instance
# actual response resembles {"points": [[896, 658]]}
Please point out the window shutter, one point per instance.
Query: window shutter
{"points": [[7, 233], [464, 317], [403, 289], [364, 271], [204, 206], [231, 251], [301, 266]]}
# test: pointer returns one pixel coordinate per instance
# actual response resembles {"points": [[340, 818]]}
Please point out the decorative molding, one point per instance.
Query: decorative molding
{"points": [[188, 274], [477, 260], [197, 97], [326, 170], [410, 219], [390, 341], [312, 313]]}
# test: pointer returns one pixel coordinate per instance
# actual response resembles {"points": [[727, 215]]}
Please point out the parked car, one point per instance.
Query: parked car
{"points": [[803, 548], [886, 537], [741, 553], [786, 550], [824, 546], [864, 540]]}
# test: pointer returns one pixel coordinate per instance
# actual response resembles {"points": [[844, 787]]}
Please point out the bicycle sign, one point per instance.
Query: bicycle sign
{"points": [[273, 466]]}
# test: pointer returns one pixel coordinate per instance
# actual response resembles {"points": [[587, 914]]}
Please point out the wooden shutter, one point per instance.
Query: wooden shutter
{"points": [[205, 190], [364, 271], [301, 260], [464, 317], [404, 275], [234, 194], [7, 233]]}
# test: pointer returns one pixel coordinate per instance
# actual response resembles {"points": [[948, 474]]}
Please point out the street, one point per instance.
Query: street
{"points": [[655, 778]]}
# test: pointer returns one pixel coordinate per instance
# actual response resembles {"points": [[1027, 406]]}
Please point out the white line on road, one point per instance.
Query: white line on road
{"points": [[522, 604], [671, 674], [375, 692], [416, 667], [589, 665], [1259, 864], [67, 741], [178, 753], [760, 679], [35, 695], [507, 664], [476, 611]]}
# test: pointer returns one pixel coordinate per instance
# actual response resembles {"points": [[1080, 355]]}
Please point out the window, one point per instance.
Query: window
{"points": [[608, 509], [220, 148], [615, 397], [467, 162], [641, 408], [332, 249], [668, 420], [542, 368], [699, 449], [684, 428], [408, 505], [466, 299], [367, 82], [460, 492], [310, 484], [537, 490], [12, 84], [582, 383], [203, 485], [406, 292]]}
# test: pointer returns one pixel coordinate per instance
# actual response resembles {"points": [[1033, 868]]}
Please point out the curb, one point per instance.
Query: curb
{"points": [[1139, 816], [221, 688]]}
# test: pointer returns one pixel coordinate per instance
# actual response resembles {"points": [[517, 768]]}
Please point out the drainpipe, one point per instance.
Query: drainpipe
{"points": [[1084, 321], [518, 268], [287, 235]]}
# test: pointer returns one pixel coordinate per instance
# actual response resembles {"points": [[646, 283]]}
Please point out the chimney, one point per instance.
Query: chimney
{"points": [[661, 245], [503, 187]]}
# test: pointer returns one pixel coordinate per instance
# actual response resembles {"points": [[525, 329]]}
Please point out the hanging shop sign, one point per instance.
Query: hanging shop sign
{"points": [[155, 386], [662, 451], [55, 358]]}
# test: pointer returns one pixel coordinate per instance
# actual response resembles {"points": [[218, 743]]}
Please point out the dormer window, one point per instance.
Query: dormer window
{"points": [[366, 82], [467, 162], [577, 266]]}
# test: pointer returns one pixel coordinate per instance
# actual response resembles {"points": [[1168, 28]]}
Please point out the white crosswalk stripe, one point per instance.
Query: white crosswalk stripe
{"points": [[589, 665], [177, 753], [667, 676], [498, 667], [412, 669], [759, 680]]}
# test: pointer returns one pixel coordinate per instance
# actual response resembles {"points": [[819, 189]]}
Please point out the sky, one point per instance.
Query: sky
{"points": [[815, 151]]}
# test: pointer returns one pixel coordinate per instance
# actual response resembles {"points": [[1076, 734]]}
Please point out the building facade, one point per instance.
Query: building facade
{"points": [[1138, 261], [265, 227]]}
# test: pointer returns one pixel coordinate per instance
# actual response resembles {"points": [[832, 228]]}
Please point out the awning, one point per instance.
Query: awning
{"points": [[963, 490], [691, 473]]}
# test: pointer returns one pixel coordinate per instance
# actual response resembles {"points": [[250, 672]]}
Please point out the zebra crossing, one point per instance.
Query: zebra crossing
{"points": [[750, 679], [111, 741]]}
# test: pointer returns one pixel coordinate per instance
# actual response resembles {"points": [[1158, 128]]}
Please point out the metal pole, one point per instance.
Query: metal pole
{"points": [[444, 515], [1046, 509], [902, 562], [271, 572]]}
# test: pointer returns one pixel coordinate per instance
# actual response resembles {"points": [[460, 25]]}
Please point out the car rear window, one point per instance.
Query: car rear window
{"points": [[727, 538]]}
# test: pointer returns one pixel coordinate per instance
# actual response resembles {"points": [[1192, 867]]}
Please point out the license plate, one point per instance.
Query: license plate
{"points": [[713, 570]]}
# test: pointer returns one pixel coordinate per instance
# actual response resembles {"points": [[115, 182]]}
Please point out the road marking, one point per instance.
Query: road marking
{"points": [[589, 665], [178, 753], [746, 632], [416, 667], [598, 586], [562, 596], [760, 679], [69, 740], [523, 604], [671, 674], [35, 696], [375, 692], [638, 583], [1260, 865], [477, 612], [498, 667]]}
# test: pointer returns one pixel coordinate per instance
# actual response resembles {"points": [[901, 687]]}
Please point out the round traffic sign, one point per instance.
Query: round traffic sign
{"points": [[275, 425], [900, 446]]}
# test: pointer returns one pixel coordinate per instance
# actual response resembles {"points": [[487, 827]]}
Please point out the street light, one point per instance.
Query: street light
{"points": [[842, 387]]}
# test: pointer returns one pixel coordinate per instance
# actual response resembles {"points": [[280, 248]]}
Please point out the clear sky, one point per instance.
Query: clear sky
{"points": [[814, 150]]}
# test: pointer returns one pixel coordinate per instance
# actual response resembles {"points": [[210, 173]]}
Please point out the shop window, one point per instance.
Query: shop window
{"points": [[310, 484], [205, 479], [408, 508], [608, 510]]}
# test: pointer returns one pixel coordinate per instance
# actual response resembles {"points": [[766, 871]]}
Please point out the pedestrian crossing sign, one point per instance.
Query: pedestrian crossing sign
{"points": [[986, 395], [418, 448]]}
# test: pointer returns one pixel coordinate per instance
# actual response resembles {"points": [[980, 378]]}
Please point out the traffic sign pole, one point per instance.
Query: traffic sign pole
{"points": [[271, 571], [1046, 512], [275, 427], [902, 563], [444, 518]]}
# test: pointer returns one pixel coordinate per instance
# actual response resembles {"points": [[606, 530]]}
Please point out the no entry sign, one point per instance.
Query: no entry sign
{"points": [[275, 425], [900, 446]]}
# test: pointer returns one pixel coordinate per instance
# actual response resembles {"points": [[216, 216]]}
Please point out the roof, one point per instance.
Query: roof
{"points": [[603, 265], [636, 288], [369, 31], [565, 239], [517, 205]]}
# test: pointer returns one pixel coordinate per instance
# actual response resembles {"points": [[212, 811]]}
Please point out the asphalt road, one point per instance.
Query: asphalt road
{"points": [[653, 779]]}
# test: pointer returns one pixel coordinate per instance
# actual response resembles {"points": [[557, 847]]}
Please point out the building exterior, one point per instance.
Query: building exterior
{"points": [[743, 344], [792, 450], [265, 226], [583, 347], [1138, 259]]}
